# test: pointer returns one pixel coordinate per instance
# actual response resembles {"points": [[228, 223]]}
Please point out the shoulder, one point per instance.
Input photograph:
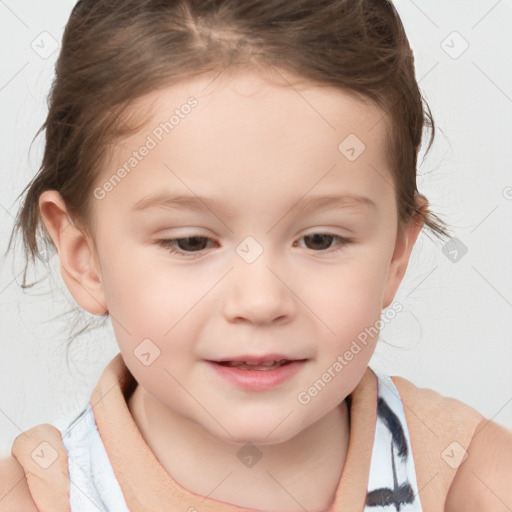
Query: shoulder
{"points": [[432, 401], [483, 482], [14, 492], [441, 429], [442, 416], [36, 473], [460, 454]]}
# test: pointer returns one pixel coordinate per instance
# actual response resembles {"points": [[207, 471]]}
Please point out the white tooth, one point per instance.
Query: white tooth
{"points": [[266, 365], [247, 363], [259, 368]]}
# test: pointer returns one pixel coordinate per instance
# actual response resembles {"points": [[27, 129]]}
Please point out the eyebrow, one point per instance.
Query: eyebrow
{"points": [[201, 203]]}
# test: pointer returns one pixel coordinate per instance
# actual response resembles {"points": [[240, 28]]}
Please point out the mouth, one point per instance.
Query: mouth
{"points": [[254, 373], [257, 363]]}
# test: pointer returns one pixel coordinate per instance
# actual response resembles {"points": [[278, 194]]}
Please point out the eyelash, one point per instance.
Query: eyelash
{"points": [[170, 244]]}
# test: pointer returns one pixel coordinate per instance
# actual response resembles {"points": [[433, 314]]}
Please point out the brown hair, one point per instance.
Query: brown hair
{"points": [[116, 51]]}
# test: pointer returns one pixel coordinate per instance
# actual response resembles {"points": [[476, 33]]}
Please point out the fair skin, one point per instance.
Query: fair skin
{"points": [[257, 148]]}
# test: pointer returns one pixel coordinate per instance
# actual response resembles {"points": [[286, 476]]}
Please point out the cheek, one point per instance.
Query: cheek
{"points": [[351, 313], [149, 298], [139, 288], [349, 297], [351, 308]]}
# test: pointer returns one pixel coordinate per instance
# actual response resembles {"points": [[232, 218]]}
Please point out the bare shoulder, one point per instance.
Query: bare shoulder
{"points": [[483, 482], [14, 492]]}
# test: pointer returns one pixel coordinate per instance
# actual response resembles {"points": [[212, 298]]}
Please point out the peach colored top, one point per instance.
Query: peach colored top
{"points": [[426, 430]]}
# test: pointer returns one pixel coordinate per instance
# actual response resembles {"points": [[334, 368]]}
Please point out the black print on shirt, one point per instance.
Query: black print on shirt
{"points": [[400, 494]]}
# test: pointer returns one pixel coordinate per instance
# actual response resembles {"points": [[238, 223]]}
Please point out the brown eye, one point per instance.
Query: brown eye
{"points": [[318, 241], [323, 241], [189, 244], [192, 243]]}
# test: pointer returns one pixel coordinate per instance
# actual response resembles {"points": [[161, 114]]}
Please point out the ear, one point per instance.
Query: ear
{"points": [[405, 240], [77, 255]]}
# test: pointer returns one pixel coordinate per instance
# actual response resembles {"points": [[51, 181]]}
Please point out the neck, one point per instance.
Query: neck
{"points": [[301, 473]]}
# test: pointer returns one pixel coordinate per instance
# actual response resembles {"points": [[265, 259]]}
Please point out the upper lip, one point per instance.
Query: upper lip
{"points": [[256, 359]]}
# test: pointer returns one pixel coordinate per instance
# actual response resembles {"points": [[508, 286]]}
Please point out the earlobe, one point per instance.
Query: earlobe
{"points": [[405, 241], [78, 262]]}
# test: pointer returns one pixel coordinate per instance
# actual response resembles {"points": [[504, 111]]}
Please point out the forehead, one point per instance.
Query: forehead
{"points": [[250, 99], [258, 104], [234, 131]]}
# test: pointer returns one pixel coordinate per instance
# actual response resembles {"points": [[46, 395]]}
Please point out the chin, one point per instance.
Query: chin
{"points": [[259, 438], [256, 432]]}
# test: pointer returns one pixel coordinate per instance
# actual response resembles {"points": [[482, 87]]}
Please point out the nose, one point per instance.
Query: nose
{"points": [[258, 293]]}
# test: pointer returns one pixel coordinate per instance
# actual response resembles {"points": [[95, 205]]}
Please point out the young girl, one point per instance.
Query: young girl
{"points": [[233, 183]]}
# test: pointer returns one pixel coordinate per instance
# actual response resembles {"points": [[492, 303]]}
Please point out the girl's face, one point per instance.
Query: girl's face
{"points": [[281, 206]]}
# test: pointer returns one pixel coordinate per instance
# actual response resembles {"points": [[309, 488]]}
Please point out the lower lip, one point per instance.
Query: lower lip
{"points": [[257, 380]]}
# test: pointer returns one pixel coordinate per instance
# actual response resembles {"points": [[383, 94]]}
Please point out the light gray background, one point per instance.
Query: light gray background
{"points": [[454, 335]]}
